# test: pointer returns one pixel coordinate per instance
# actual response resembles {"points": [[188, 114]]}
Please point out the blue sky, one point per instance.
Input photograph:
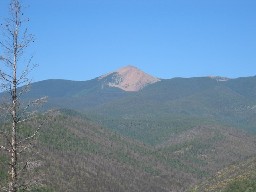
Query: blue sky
{"points": [[83, 39]]}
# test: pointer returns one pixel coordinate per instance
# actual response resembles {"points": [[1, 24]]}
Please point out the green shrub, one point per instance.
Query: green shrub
{"points": [[246, 185]]}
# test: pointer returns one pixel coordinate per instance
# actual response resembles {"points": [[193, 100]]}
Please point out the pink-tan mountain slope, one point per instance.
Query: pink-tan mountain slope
{"points": [[129, 78]]}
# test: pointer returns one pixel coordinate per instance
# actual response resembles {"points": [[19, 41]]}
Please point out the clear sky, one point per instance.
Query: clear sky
{"points": [[83, 39]]}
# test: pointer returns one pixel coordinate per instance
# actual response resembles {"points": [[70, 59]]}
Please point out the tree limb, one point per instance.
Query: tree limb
{"points": [[32, 136]]}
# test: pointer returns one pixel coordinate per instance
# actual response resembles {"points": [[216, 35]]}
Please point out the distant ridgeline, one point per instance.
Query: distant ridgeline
{"points": [[129, 94]]}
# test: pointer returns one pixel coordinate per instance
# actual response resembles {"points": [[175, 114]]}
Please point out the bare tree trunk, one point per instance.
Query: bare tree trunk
{"points": [[14, 157], [16, 83]]}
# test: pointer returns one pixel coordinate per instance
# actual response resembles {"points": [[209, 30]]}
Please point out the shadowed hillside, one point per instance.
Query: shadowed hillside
{"points": [[78, 155]]}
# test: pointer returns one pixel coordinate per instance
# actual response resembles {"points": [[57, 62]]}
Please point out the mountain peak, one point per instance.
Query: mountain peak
{"points": [[128, 78], [129, 69]]}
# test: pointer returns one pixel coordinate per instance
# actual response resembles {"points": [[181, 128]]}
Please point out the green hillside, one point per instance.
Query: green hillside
{"points": [[234, 178], [77, 154], [152, 114], [170, 136], [77, 95], [229, 102]]}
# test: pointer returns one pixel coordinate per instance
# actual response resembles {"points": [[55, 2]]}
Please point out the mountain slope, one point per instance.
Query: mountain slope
{"points": [[234, 178], [81, 156], [77, 95], [78, 155], [179, 102]]}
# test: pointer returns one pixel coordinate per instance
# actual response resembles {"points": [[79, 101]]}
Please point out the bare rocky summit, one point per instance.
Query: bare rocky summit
{"points": [[128, 78]]}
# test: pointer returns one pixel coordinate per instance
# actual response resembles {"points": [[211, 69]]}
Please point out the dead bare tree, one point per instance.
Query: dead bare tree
{"points": [[15, 112]]}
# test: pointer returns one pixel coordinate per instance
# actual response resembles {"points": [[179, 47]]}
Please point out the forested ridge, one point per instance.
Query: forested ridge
{"points": [[79, 155]]}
